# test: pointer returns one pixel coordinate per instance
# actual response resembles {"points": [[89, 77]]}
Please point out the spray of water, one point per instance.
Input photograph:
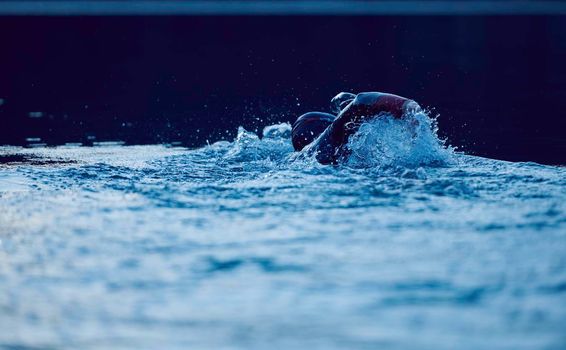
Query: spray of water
{"points": [[408, 142], [383, 142]]}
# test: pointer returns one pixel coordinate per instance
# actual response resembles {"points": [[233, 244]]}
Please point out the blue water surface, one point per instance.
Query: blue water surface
{"points": [[248, 245]]}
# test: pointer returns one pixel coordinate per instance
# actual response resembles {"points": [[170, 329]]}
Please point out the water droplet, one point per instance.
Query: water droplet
{"points": [[35, 114]]}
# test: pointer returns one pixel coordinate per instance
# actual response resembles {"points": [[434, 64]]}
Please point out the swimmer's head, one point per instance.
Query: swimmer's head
{"points": [[340, 101], [308, 127]]}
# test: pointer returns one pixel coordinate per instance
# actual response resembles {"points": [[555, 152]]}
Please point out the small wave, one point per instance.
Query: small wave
{"points": [[274, 146]]}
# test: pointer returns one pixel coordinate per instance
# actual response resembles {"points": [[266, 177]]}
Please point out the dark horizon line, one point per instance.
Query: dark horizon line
{"points": [[284, 7]]}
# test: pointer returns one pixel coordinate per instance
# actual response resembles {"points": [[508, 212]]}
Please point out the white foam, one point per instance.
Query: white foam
{"points": [[408, 142]]}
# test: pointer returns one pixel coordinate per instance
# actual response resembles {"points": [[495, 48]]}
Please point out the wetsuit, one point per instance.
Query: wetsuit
{"points": [[329, 144]]}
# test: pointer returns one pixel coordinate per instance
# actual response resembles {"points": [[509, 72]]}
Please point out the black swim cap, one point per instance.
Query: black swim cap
{"points": [[308, 126]]}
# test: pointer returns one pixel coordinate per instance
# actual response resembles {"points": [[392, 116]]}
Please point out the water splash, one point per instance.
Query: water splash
{"points": [[274, 146], [409, 142], [384, 142]]}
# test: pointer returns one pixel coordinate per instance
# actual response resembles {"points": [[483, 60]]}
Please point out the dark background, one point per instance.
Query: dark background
{"points": [[497, 82]]}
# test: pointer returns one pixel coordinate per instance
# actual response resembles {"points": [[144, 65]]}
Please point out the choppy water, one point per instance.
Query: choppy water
{"points": [[245, 245]]}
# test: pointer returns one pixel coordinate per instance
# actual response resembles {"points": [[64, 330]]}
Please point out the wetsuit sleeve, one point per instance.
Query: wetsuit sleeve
{"points": [[368, 105]]}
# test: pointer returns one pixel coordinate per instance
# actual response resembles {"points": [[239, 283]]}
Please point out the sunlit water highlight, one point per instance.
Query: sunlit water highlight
{"points": [[245, 245]]}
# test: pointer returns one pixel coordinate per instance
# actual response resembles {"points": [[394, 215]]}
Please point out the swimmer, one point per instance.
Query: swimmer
{"points": [[327, 134]]}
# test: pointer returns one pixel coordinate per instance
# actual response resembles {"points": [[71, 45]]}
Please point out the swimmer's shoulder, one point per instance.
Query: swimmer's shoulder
{"points": [[366, 98]]}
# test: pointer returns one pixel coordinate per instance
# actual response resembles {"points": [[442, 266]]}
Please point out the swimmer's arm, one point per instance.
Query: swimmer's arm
{"points": [[369, 104], [364, 107], [329, 144]]}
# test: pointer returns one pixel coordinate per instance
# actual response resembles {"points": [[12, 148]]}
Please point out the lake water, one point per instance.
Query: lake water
{"points": [[245, 245]]}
